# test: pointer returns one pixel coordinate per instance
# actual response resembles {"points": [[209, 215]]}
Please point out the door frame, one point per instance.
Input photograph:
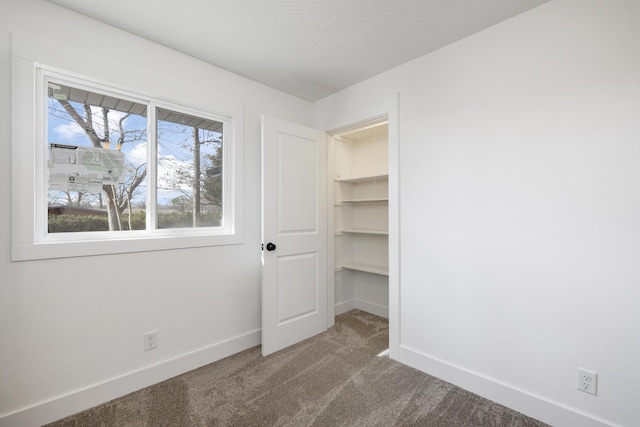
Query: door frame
{"points": [[353, 118]]}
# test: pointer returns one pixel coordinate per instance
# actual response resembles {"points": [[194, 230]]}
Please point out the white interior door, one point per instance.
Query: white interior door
{"points": [[294, 233]]}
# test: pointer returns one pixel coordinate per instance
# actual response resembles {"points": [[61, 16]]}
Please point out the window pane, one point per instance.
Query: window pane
{"points": [[97, 161], [189, 185]]}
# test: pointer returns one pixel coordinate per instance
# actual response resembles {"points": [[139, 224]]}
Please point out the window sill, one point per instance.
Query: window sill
{"points": [[70, 249]]}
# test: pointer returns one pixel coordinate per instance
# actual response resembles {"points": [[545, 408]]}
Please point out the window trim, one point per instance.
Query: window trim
{"points": [[29, 167]]}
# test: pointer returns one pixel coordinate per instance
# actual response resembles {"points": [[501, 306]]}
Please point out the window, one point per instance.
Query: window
{"points": [[116, 171], [98, 157]]}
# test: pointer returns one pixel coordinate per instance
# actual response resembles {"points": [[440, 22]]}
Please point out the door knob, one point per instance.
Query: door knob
{"points": [[271, 246]]}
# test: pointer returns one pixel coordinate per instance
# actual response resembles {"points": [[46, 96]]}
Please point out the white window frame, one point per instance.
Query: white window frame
{"points": [[29, 174]]}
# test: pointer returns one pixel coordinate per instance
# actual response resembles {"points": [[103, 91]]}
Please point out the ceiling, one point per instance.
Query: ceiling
{"points": [[307, 48]]}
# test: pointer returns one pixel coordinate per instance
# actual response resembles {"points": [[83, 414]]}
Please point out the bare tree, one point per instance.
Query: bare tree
{"points": [[117, 199], [194, 179]]}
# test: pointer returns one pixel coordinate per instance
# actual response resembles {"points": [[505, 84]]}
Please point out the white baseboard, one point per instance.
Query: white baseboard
{"points": [[91, 396], [537, 407], [369, 307], [344, 306], [372, 308]]}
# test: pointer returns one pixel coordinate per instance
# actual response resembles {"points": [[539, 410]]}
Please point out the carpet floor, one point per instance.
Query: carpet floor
{"points": [[339, 378]]}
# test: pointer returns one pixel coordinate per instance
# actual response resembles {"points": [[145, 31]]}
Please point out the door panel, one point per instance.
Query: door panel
{"points": [[297, 287], [297, 186], [294, 197]]}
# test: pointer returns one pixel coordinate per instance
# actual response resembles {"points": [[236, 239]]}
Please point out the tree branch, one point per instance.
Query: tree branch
{"points": [[131, 188], [105, 120], [86, 125], [121, 139]]}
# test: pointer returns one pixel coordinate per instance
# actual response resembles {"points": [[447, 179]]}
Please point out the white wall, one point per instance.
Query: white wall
{"points": [[520, 209], [76, 325]]}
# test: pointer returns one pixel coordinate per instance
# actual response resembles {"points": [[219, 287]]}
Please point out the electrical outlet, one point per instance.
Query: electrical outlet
{"points": [[588, 381], [150, 340]]}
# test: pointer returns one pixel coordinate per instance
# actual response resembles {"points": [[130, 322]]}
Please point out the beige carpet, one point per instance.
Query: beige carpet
{"points": [[339, 378]]}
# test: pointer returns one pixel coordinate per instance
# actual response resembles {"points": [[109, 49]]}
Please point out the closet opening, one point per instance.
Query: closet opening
{"points": [[359, 219]]}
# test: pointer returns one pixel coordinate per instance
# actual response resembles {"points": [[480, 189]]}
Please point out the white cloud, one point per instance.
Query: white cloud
{"points": [[166, 166], [69, 131], [138, 154]]}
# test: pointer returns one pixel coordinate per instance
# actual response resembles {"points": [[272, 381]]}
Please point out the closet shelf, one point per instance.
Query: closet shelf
{"points": [[364, 200], [364, 231], [369, 268], [360, 178]]}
